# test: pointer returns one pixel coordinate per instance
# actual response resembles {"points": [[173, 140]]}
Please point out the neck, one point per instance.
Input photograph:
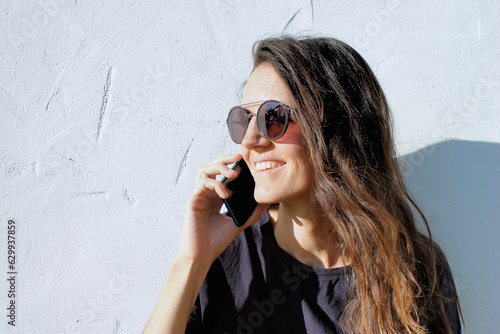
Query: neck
{"points": [[306, 236]]}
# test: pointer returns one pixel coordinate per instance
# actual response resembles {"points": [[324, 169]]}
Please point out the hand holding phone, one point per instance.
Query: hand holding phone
{"points": [[241, 202]]}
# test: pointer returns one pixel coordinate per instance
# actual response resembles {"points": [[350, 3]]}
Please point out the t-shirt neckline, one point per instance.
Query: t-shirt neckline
{"points": [[268, 237]]}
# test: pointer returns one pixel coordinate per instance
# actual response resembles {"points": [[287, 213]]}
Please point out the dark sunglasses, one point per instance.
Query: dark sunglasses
{"points": [[272, 120]]}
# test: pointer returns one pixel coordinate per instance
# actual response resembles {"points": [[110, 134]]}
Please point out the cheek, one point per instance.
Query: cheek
{"points": [[292, 135], [305, 168], [245, 153]]}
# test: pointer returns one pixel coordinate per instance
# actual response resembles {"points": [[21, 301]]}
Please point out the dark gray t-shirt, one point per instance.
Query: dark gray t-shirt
{"points": [[256, 287]]}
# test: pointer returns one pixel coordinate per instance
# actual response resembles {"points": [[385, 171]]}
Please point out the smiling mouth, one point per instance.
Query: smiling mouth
{"points": [[265, 165]]}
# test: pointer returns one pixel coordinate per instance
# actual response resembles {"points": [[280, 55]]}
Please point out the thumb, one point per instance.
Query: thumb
{"points": [[259, 209]]}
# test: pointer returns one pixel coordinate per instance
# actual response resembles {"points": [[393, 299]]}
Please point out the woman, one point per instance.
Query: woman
{"points": [[337, 250]]}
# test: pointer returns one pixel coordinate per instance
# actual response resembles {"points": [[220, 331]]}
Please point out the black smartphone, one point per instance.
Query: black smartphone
{"points": [[240, 203]]}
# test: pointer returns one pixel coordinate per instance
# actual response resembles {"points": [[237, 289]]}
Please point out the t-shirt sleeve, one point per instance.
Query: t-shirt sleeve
{"points": [[450, 298], [194, 325]]}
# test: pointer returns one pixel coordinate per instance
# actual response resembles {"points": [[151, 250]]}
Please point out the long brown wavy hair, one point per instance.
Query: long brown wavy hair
{"points": [[358, 184]]}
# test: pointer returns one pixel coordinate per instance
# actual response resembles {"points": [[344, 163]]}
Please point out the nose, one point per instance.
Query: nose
{"points": [[253, 137]]}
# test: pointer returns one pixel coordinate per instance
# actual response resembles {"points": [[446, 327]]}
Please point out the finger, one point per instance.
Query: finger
{"points": [[211, 171], [203, 199], [227, 159], [219, 167], [218, 187]]}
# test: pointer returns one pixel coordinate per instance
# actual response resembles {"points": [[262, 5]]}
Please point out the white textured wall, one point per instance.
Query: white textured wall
{"points": [[108, 107]]}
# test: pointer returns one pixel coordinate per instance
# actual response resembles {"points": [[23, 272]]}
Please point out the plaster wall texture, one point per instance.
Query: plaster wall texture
{"points": [[107, 108]]}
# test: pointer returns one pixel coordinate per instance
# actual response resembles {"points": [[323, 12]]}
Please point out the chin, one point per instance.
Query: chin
{"points": [[266, 196], [265, 199]]}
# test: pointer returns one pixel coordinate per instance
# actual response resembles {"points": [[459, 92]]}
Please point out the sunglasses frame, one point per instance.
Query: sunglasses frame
{"points": [[248, 116]]}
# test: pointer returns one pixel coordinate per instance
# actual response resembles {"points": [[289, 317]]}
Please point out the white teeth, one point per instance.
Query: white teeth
{"points": [[267, 165]]}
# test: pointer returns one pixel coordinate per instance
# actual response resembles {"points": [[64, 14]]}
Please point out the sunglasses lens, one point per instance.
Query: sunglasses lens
{"points": [[272, 120], [237, 124]]}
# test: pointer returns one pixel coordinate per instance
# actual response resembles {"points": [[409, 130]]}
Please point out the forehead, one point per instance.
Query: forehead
{"points": [[265, 84]]}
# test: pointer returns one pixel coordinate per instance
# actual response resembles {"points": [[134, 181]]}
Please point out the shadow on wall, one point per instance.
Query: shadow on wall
{"points": [[457, 185]]}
